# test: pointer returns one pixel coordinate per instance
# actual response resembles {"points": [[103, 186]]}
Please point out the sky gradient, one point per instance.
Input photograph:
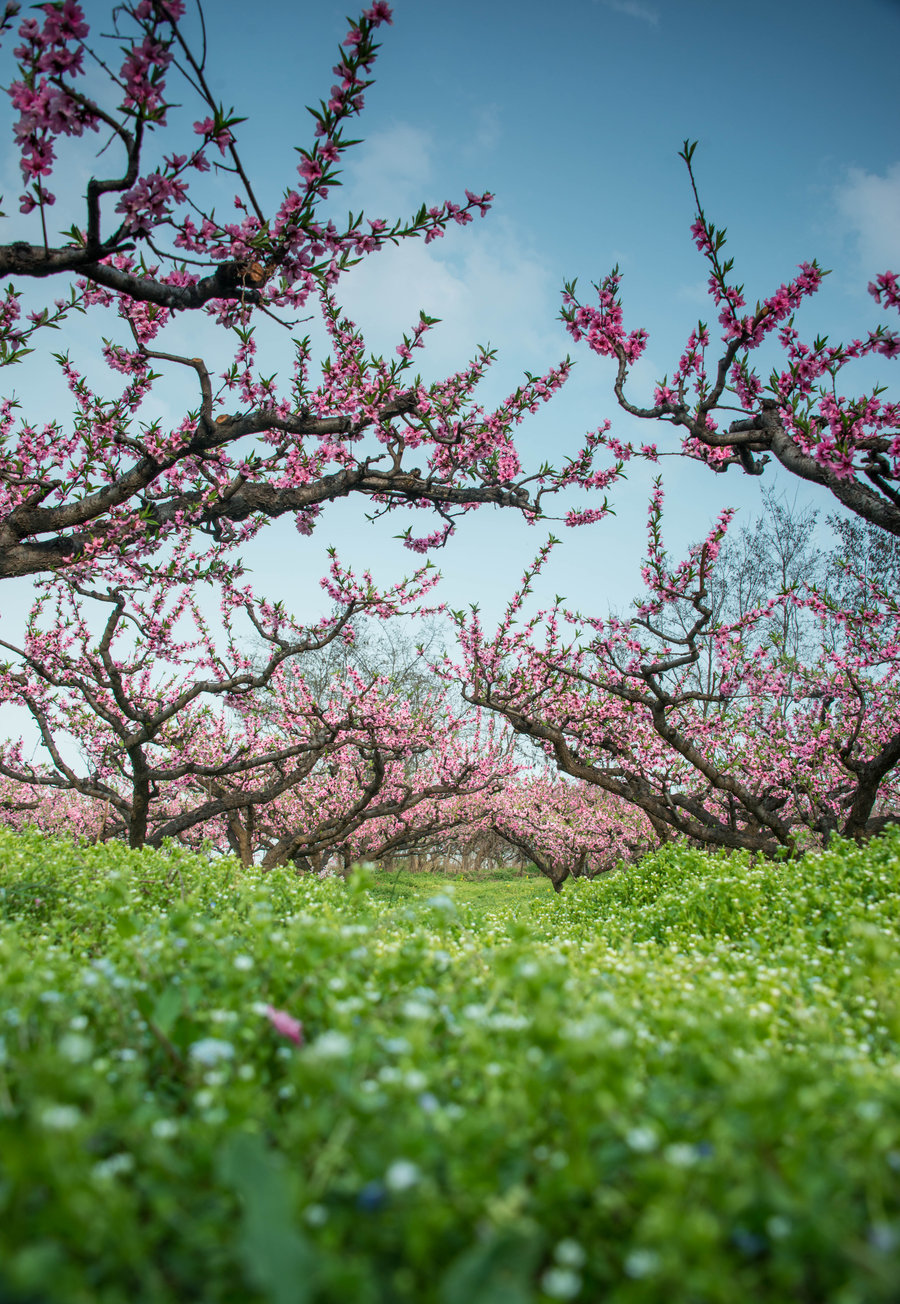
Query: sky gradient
{"points": [[573, 114]]}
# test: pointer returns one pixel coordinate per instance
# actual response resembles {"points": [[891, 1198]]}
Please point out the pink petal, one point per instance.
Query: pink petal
{"points": [[286, 1024]]}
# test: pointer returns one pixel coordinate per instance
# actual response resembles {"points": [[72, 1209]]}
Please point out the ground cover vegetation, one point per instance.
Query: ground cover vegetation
{"points": [[678, 1082]]}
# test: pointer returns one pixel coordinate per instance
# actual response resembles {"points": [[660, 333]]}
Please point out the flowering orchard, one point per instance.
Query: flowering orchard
{"points": [[764, 752], [569, 828], [182, 737], [129, 523], [766, 755], [676, 720]]}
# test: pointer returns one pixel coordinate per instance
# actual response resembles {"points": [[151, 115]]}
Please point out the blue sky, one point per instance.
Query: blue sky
{"points": [[573, 114]]}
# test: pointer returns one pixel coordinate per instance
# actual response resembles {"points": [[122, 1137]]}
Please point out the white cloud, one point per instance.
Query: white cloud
{"points": [[634, 9], [696, 292], [485, 283], [487, 288], [385, 173], [869, 205], [487, 130]]}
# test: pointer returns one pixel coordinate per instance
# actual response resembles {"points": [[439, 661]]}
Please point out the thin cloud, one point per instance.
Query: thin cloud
{"points": [[870, 207], [489, 287], [385, 174], [487, 129], [634, 9]]}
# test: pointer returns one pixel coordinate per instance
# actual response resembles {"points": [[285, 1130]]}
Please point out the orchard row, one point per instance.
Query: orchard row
{"points": [[702, 714]]}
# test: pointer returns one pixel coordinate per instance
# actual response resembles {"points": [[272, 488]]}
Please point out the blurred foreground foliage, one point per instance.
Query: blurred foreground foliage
{"points": [[676, 1083]]}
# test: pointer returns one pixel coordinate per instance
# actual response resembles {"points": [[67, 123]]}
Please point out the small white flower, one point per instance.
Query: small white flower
{"points": [[569, 1254], [641, 1140], [641, 1263], [243, 962], [165, 1128], [416, 1010], [113, 1166], [503, 1021], [401, 1175], [415, 1080], [883, 1238], [75, 1048], [681, 1155], [583, 1029], [396, 1045], [561, 1283], [211, 1050], [60, 1118], [331, 1045], [441, 901]]}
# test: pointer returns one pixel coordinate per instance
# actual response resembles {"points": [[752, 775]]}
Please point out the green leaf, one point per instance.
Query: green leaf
{"points": [[276, 1257], [496, 1271], [167, 1009]]}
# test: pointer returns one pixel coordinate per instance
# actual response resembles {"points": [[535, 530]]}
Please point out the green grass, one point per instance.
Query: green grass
{"points": [[505, 887], [676, 1084]]}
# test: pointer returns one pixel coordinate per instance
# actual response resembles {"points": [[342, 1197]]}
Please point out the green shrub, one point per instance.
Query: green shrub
{"points": [[678, 1083]]}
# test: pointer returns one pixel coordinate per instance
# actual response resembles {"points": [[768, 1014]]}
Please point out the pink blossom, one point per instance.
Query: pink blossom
{"points": [[286, 1024], [379, 13]]}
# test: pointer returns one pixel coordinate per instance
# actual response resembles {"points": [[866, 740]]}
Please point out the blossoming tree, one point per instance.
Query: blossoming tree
{"points": [[146, 245], [848, 445], [714, 730], [760, 752], [570, 828], [162, 707], [133, 513], [133, 517]]}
